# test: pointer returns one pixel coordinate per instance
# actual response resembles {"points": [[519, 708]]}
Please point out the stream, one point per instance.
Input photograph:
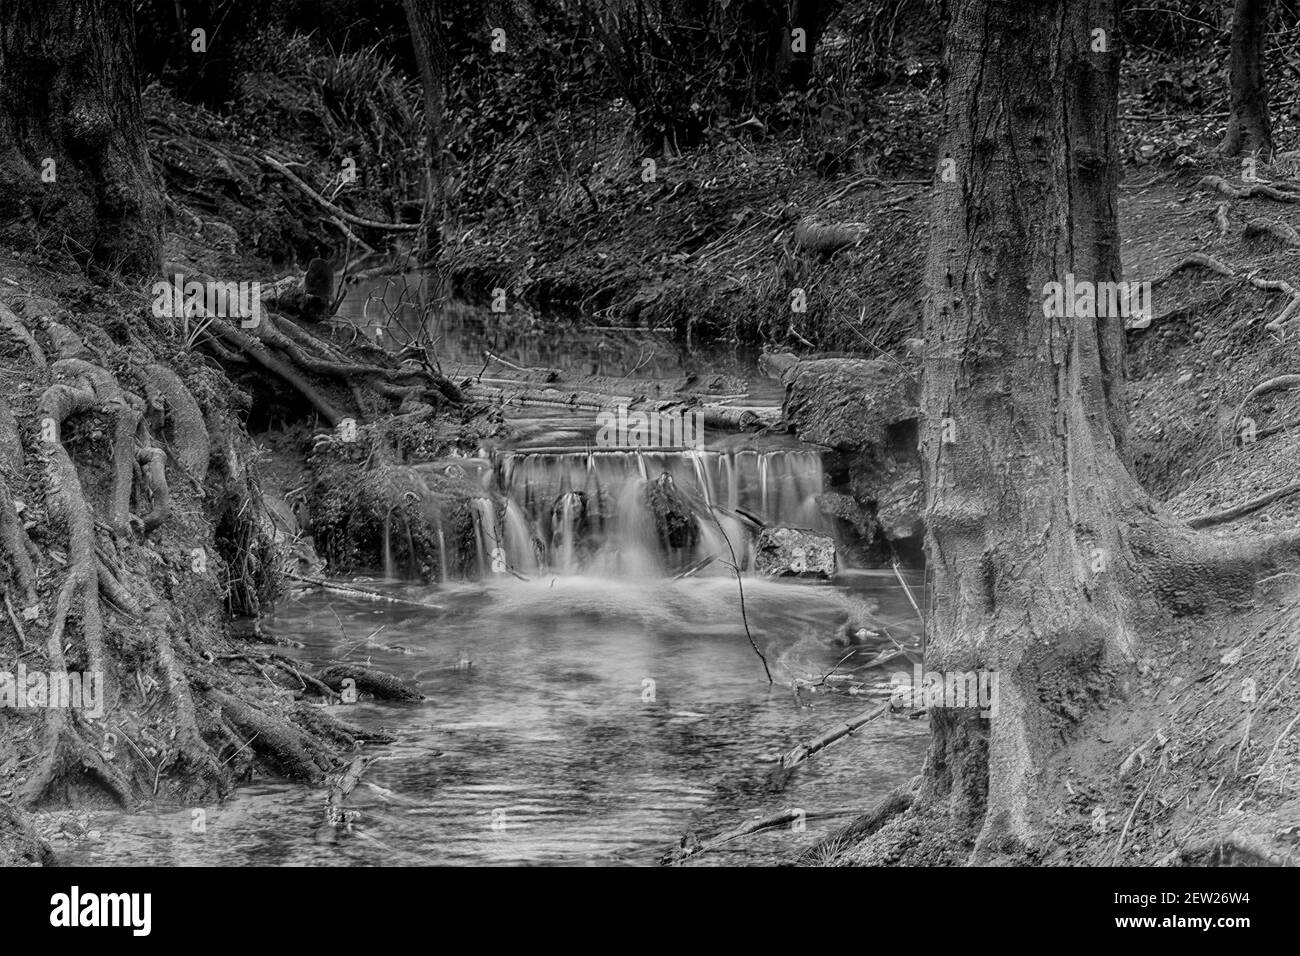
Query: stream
{"points": [[595, 711]]}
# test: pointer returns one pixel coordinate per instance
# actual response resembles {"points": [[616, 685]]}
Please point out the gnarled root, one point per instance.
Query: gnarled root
{"points": [[323, 372], [177, 412], [282, 743], [153, 465]]}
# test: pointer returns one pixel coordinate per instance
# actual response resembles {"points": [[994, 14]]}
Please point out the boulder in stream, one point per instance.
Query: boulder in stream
{"points": [[795, 552], [849, 404]]}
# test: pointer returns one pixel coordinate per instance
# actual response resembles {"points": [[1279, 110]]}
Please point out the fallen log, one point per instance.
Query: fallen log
{"points": [[338, 211], [731, 417], [353, 591], [787, 765]]}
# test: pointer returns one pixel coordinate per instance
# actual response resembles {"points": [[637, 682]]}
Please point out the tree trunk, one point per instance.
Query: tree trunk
{"points": [[1249, 127], [430, 42], [74, 164], [810, 16], [1049, 563]]}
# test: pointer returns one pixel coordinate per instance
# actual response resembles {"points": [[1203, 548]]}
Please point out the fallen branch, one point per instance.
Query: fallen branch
{"points": [[785, 767], [354, 591], [691, 846], [337, 210]]}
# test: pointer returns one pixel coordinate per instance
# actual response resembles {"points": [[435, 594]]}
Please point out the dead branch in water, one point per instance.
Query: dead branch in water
{"points": [[354, 591], [740, 585], [786, 766], [336, 812], [691, 845]]}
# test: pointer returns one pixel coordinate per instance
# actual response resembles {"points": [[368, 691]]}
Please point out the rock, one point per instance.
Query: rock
{"points": [[835, 505], [319, 280], [849, 404], [898, 509], [866, 412], [776, 364], [674, 518], [787, 552]]}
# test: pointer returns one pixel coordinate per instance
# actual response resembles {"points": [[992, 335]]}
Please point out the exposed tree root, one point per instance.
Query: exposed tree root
{"points": [[20, 844], [153, 464], [1278, 230], [177, 411], [1199, 260], [368, 681], [65, 754], [323, 373], [73, 761], [91, 388], [17, 547], [1276, 384], [21, 334], [825, 850], [1220, 185], [1221, 220], [287, 747], [11, 448], [1239, 848]]}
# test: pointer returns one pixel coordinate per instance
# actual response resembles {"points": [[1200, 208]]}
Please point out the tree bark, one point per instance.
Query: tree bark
{"points": [[74, 164], [1249, 126], [1050, 566], [1023, 438], [430, 42], [812, 17]]}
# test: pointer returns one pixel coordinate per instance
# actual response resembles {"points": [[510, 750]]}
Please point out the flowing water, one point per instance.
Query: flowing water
{"points": [[583, 705]]}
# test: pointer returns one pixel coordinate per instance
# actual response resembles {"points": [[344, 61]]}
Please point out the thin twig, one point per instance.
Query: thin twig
{"points": [[740, 586]]}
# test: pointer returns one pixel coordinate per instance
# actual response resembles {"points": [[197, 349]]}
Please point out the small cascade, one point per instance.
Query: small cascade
{"points": [[565, 521], [442, 546], [590, 511], [390, 568], [520, 552], [490, 555]]}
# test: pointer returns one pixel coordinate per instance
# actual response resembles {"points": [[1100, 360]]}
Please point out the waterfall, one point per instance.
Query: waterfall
{"points": [[490, 557], [588, 511], [606, 512]]}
